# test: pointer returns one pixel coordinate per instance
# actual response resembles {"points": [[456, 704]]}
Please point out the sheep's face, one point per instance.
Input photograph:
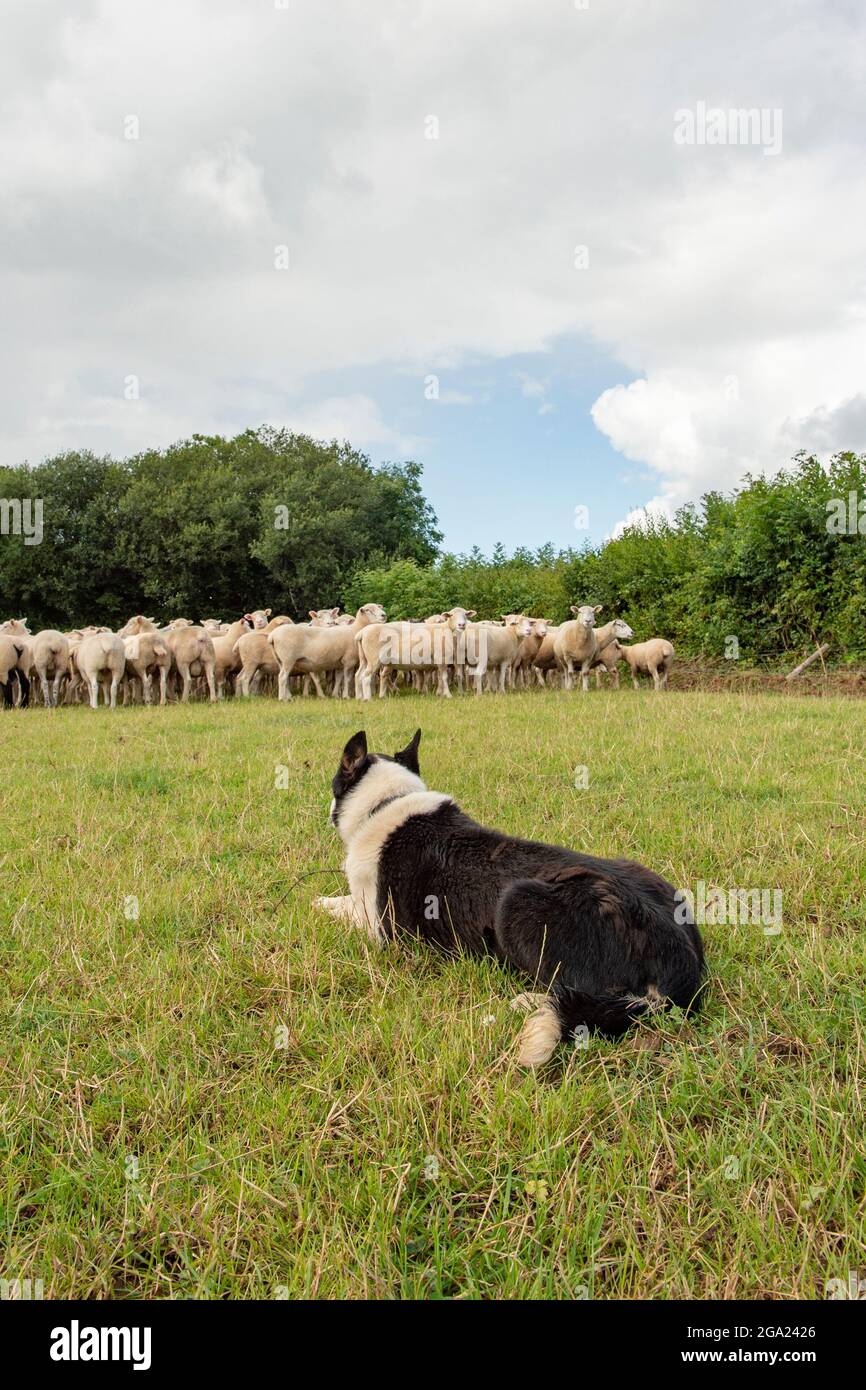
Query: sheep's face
{"points": [[374, 613], [15, 626], [458, 618], [522, 625], [177, 623], [585, 614], [213, 625], [540, 626], [622, 630], [259, 618], [324, 617]]}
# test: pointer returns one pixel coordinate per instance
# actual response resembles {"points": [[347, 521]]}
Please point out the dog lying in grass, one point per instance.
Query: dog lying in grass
{"points": [[607, 939]]}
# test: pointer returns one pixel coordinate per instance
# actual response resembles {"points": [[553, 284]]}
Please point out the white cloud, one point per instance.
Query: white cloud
{"points": [[729, 286]]}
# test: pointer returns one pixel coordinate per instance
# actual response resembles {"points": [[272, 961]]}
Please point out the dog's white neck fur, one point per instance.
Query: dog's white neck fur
{"points": [[381, 781], [364, 834]]}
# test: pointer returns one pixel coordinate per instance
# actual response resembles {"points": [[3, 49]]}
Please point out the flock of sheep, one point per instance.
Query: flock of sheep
{"points": [[345, 652]]}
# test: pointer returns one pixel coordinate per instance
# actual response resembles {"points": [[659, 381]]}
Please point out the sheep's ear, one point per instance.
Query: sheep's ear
{"points": [[354, 754], [312, 612], [598, 607], [471, 612], [574, 608], [408, 756], [268, 612]]}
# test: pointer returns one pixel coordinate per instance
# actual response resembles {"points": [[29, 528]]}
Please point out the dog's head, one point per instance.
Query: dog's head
{"points": [[357, 761]]}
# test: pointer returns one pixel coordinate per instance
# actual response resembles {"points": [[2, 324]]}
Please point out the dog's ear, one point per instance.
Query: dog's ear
{"points": [[408, 756], [354, 754]]}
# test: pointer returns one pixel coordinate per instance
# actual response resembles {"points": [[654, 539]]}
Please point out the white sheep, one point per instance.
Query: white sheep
{"points": [[575, 644], [302, 650], [652, 658]]}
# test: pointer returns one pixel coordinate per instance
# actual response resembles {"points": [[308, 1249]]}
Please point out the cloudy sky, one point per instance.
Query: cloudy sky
{"points": [[478, 233]]}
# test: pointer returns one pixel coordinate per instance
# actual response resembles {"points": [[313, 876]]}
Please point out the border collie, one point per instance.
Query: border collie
{"points": [[603, 937]]}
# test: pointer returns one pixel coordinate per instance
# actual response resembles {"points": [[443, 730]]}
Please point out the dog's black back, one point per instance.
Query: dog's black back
{"points": [[608, 939]]}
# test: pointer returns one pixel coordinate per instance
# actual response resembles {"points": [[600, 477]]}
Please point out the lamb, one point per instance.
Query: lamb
{"points": [[576, 645], [403, 646], [545, 657], [48, 655], [148, 653], [100, 658], [17, 630], [255, 655], [226, 659], [608, 651], [653, 658], [528, 650], [303, 650], [193, 654], [502, 646], [11, 653]]}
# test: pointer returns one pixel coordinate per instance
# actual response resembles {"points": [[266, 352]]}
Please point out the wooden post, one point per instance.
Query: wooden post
{"points": [[822, 651]]}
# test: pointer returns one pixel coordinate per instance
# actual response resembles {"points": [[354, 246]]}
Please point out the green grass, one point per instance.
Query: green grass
{"points": [[158, 1142]]}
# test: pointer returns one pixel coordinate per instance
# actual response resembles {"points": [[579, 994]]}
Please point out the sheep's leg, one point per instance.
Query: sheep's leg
{"points": [[656, 682], [112, 700], [163, 683], [539, 676], [383, 682], [634, 681], [55, 696], [568, 674], [94, 692], [147, 687], [443, 688], [187, 684], [584, 676], [211, 685], [283, 684], [479, 675]]}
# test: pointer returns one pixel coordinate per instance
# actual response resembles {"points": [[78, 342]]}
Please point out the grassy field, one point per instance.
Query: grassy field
{"points": [[229, 1096]]}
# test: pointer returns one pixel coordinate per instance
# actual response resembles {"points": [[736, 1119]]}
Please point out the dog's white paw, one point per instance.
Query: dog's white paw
{"points": [[329, 905]]}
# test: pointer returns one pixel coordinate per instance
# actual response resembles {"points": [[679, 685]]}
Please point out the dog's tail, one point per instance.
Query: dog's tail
{"points": [[573, 1015], [569, 1014]]}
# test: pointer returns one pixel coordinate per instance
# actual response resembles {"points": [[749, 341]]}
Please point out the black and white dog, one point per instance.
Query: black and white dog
{"points": [[607, 939]]}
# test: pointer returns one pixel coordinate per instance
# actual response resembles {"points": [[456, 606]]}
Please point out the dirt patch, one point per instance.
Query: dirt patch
{"points": [[699, 675]]}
